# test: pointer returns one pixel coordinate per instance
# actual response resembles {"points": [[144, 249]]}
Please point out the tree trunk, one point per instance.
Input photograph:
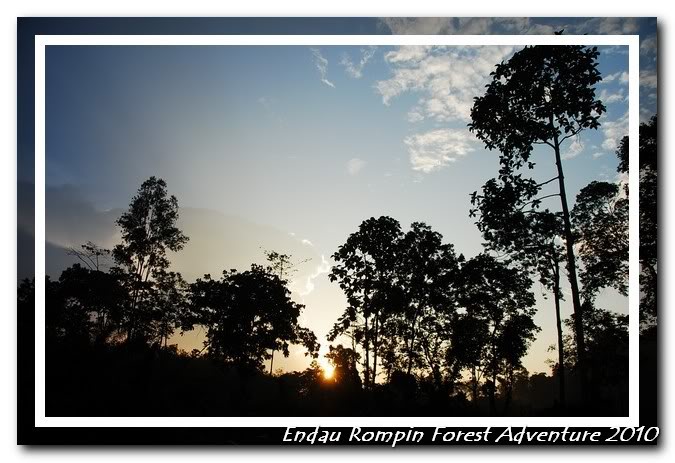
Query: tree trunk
{"points": [[272, 361], [561, 351], [375, 347], [572, 273], [411, 347], [493, 390], [474, 386], [509, 391], [366, 339]]}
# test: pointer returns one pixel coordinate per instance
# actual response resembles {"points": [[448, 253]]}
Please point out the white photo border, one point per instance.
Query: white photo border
{"points": [[42, 41]]}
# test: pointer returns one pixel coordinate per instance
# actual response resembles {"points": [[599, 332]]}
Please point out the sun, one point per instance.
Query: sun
{"points": [[328, 372]]}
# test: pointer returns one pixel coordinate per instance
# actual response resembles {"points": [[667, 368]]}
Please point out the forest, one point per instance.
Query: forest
{"points": [[426, 331]]}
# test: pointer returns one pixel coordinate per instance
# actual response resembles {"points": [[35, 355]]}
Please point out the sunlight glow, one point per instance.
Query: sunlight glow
{"points": [[328, 371]]}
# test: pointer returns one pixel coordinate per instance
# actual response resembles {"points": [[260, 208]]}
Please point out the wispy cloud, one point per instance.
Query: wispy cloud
{"points": [[620, 77], [308, 286], [321, 64], [463, 26], [614, 131], [612, 97], [574, 149], [447, 78], [466, 26], [355, 70], [648, 45], [433, 150], [307, 242], [355, 165], [648, 78]]}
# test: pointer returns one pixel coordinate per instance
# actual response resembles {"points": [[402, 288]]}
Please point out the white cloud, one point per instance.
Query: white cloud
{"points": [[648, 45], [466, 26], [355, 70], [648, 78], [620, 77], [575, 148], [415, 115], [517, 26], [614, 131], [307, 242], [606, 25], [447, 78], [323, 267], [436, 149], [355, 165], [609, 98], [322, 65]]}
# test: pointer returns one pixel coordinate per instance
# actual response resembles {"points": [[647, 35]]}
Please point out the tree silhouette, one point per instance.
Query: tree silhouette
{"points": [[542, 95], [282, 265], [91, 255], [246, 315], [607, 335], [345, 361], [148, 231], [499, 308], [648, 219], [428, 270], [366, 271], [648, 167], [168, 302], [600, 218], [512, 223]]}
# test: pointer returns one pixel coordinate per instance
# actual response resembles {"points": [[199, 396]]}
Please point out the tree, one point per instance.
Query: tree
{"points": [[345, 361], [498, 307], [148, 231], [600, 218], [91, 255], [246, 315], [282, 265], [511, 222], [366, 271], [607, 334], [428, 270], [542, 95], [168, 302], [648, 219]]}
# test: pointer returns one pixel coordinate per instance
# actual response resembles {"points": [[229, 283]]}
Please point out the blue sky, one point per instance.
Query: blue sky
{"points": [[301, 142]]}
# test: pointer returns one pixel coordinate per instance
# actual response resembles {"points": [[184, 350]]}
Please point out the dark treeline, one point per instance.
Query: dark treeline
{"points": [[425, 331]]}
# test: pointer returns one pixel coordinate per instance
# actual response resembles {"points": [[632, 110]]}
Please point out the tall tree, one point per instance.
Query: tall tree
{"points": [[648, 217], [366, 271], [148, 231], [512, 223], [542, 95], [428, 270]]}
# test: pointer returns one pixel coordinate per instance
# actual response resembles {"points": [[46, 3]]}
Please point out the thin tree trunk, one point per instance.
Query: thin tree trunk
{"points": [[375, 347], [366, 338], [272, 361], [561, 351], [572, 272], [474, 386], [411, 347]]}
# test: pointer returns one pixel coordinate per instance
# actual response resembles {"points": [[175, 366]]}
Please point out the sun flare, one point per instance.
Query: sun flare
{"points": [[328, 372]]}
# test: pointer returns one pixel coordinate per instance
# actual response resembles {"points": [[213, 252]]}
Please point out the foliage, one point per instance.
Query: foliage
{"points": [[246, 314], [600, 217]]}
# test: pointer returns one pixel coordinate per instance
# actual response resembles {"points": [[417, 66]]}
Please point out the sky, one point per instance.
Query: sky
{"points": [[291, 147]]}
